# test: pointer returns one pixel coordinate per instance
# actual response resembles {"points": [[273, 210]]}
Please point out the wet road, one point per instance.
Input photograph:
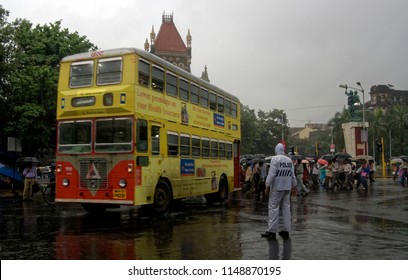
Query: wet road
{"points": [[326, 225]]}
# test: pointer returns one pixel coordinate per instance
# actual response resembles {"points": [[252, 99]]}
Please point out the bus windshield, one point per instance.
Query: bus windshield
{"points": [[113, 135], [75, 137]]}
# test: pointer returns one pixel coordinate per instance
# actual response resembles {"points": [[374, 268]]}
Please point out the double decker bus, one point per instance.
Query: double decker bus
{"points": [[134, 129]]}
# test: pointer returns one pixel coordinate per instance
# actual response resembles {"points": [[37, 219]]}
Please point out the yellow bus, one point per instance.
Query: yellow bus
{"points": [[134, 129]]}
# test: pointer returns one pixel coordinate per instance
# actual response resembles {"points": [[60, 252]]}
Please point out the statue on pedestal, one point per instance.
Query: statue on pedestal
{"points": [[353, 102]]}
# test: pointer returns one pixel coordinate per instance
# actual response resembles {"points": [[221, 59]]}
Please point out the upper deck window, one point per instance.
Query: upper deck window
{"points": [[220, 103], [213, 101], [194, 97], [183, 89], [171, 84], [144, 73], [157, 78], [204, 97], [81, 74], [234, 110], [109, 71]]}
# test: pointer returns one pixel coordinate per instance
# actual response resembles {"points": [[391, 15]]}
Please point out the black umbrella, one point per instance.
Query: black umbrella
{"points": [[256, 160], [404, 157], [328, 157], [297, 157], [28, 160], [342, 155]]}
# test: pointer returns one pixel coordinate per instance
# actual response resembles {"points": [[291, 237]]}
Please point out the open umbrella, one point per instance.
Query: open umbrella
{"points": [[342, 155], [328, 157], [11, 172], [256, 160], [404, 157], [28, 160], [361, 157], [297, 157], [323, 161]]}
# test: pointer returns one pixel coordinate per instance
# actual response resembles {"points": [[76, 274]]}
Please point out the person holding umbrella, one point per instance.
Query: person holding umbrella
{"points": [[30, 176]]}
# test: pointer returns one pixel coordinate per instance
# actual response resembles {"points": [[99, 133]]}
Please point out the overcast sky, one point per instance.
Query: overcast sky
{"points": [[284, 54]]}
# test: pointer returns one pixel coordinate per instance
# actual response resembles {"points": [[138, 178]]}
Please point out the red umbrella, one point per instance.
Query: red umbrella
{"points": [[323, 161]]}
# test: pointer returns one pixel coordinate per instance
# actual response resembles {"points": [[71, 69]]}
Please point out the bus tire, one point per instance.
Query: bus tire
{"points": [[223, 189], [219, 196], [162, 198], [94, 208]]}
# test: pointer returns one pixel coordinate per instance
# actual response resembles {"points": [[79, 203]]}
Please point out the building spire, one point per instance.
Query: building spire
{"points": [[152, 36], [204, 75], [189, 39], [146, 45]]}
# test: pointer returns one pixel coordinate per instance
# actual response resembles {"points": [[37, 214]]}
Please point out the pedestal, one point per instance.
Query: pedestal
{"points": [[356, 138]]}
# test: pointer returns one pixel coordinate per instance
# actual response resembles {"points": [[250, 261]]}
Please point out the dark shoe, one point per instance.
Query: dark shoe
{"points": [[270, 235], [284, 234]]}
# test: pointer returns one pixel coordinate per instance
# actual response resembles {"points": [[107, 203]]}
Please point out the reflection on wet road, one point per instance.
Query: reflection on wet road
{"points": [[326, 225]]}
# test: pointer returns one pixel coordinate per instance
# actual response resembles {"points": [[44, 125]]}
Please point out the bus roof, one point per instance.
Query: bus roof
{"points": [[150, 57]]}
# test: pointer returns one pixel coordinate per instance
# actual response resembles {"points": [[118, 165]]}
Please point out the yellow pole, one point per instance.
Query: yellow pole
{"points": [[382, 156]]}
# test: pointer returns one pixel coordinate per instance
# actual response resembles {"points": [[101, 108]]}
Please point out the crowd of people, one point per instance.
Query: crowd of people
{"points": [[337, 173]]}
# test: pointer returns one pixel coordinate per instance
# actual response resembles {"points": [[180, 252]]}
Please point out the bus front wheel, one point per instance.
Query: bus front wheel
{"points": [[162, 198]]}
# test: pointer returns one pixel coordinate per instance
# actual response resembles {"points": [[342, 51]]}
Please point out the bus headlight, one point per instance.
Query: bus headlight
{"points": [[122, 183], [65, 182]]}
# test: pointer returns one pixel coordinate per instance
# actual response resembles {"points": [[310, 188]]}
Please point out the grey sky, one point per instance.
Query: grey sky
{"points": [[284, 54]]}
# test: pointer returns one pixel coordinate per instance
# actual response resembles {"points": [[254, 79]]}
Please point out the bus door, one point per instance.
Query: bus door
{"points": [[237, 166]]}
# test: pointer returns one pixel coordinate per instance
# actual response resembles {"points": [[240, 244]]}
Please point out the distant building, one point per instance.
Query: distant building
{"points": [[385, 97], [307, 130], [169, 45]]}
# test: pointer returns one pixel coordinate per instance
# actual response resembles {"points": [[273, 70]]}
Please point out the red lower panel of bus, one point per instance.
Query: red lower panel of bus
{"points": [[95, 183]]}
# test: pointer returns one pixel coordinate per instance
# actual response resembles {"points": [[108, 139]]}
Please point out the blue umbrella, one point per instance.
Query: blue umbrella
{"points": [[11, 172]]}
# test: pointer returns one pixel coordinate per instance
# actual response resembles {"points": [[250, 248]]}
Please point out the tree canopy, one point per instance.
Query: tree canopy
{"points": [[29, 67]]}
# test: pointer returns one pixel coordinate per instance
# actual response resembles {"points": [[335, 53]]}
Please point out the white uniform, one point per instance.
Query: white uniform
{"points": [[281, 178]]}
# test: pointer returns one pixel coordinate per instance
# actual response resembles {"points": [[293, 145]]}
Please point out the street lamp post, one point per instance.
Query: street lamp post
{"points": [[365, 134]]}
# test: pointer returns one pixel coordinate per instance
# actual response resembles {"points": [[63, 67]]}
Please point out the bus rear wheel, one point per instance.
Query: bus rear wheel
{"points": [[162, 198], [219, 196], [94, 208]]}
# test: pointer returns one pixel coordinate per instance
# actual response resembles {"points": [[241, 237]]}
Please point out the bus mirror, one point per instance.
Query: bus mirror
{"points": [[142, 160]]}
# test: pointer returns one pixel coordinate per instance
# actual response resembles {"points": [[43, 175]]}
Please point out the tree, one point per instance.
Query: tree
{"points": [[29, 66], [336, 123]]}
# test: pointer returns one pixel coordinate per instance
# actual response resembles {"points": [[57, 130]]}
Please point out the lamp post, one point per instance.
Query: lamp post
{"points": [[364, 137]]}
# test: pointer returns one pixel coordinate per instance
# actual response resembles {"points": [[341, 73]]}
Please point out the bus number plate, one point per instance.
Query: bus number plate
{"points": [[119, 194]]}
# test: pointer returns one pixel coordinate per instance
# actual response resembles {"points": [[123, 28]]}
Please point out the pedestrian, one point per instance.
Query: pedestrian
{"points": [[372, 170], [248, 178], [30, 176], [322, 176], [315, 176], [279, 183], [301, 188], [364, 171]]}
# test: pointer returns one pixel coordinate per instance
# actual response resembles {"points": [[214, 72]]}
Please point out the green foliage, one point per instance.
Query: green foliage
{"points": [[29, 68]]}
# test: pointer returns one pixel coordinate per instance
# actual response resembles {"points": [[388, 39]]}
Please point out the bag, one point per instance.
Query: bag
{"points": [[36, 187]]}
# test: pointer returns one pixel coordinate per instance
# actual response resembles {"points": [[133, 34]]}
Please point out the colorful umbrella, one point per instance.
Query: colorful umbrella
{"points": [[323, 161]]}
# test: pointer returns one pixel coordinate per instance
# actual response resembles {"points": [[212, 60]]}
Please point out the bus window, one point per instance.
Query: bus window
{"points": [[229, 150], [75, 137], [183, 89], [213, 101], [144, 73], [157, 78], [214, 148], [113, 135], [172, 143], [195, 144], [171, 84], [141, 136], [155, 134], [109, 71], [228, 107], [81, 74], [194, 94], [205, 147], [220, 102], [234, 110], [204, 97], [185, 145], [221, 147]]}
